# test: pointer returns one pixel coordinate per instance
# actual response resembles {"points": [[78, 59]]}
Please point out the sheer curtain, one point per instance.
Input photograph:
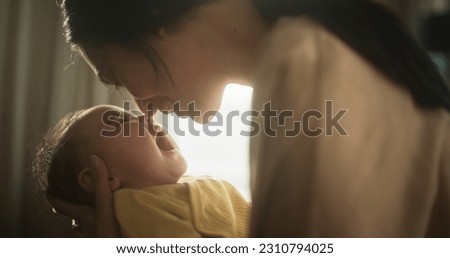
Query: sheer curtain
{"points": [[40, 81]]}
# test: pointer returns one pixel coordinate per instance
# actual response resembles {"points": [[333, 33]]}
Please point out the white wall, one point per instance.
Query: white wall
{"points": [[222, 156]]}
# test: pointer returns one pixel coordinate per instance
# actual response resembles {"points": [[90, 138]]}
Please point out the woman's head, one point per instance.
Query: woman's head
{"points": [[186, 51], [164, 51]]}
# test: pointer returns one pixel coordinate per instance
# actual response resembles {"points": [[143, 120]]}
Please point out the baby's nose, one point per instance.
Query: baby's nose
{"points": [[153, 127]]}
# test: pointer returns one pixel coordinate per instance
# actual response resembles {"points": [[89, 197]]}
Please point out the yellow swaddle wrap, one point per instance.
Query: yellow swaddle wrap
{"points": [[194, 207]]}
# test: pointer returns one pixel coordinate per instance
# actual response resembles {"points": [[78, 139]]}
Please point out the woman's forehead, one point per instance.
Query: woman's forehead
{"points": [[94, 57], [97, 55], [113, 59]]}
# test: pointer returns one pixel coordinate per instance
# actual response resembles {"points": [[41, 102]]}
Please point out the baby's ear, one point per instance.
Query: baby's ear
{"points": [[85, 180], [87, 183]]}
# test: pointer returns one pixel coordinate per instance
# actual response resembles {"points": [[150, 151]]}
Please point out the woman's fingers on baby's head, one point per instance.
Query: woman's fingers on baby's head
{"points": [[99, 172], [106, 224]]}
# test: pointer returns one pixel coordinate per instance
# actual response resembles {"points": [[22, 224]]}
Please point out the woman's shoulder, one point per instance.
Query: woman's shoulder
{"points": [[299, 51], [293, 37], [300, 58]]}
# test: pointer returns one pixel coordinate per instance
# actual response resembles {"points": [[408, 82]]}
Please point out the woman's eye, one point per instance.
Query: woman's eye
{"points": [[104, 81], [107, 83]]}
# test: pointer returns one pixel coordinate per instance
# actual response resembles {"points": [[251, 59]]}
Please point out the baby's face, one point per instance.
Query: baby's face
{"points": [[133, 152]]}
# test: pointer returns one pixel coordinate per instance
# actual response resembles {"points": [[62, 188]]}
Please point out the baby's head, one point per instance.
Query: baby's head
{"points": [[136, 154]]}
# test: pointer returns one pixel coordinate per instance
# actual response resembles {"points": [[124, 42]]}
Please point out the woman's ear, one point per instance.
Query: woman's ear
{"points": [[85, 180]]}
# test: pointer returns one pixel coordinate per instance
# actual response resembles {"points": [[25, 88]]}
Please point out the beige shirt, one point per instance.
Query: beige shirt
{"points": [[389, 177]]}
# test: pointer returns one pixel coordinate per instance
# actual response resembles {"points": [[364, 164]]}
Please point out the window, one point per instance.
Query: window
{"points": [[224, 156]]}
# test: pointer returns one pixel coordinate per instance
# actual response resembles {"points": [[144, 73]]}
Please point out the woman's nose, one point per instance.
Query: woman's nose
{"points": [[150, 106], [146, 107], [161, 103]]}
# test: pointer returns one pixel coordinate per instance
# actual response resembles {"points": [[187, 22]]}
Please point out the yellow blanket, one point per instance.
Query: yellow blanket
{"points": [[195, 207]]}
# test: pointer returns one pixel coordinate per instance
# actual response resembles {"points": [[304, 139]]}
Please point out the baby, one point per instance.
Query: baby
{"points": [[151, 197]]}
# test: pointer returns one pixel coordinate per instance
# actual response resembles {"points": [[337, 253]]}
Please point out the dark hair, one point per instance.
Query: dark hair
{"points": [[367, 27], [378, 36], [124, 22], [121, 21], [435, 32], [57, 163]]}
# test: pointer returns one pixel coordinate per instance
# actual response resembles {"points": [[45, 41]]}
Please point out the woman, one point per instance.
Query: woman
{"points": [[371, 158]]}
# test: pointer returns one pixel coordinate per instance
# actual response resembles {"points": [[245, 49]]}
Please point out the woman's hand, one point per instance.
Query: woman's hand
{"points": [[83, 217], [105, 217], [93, 222]]}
